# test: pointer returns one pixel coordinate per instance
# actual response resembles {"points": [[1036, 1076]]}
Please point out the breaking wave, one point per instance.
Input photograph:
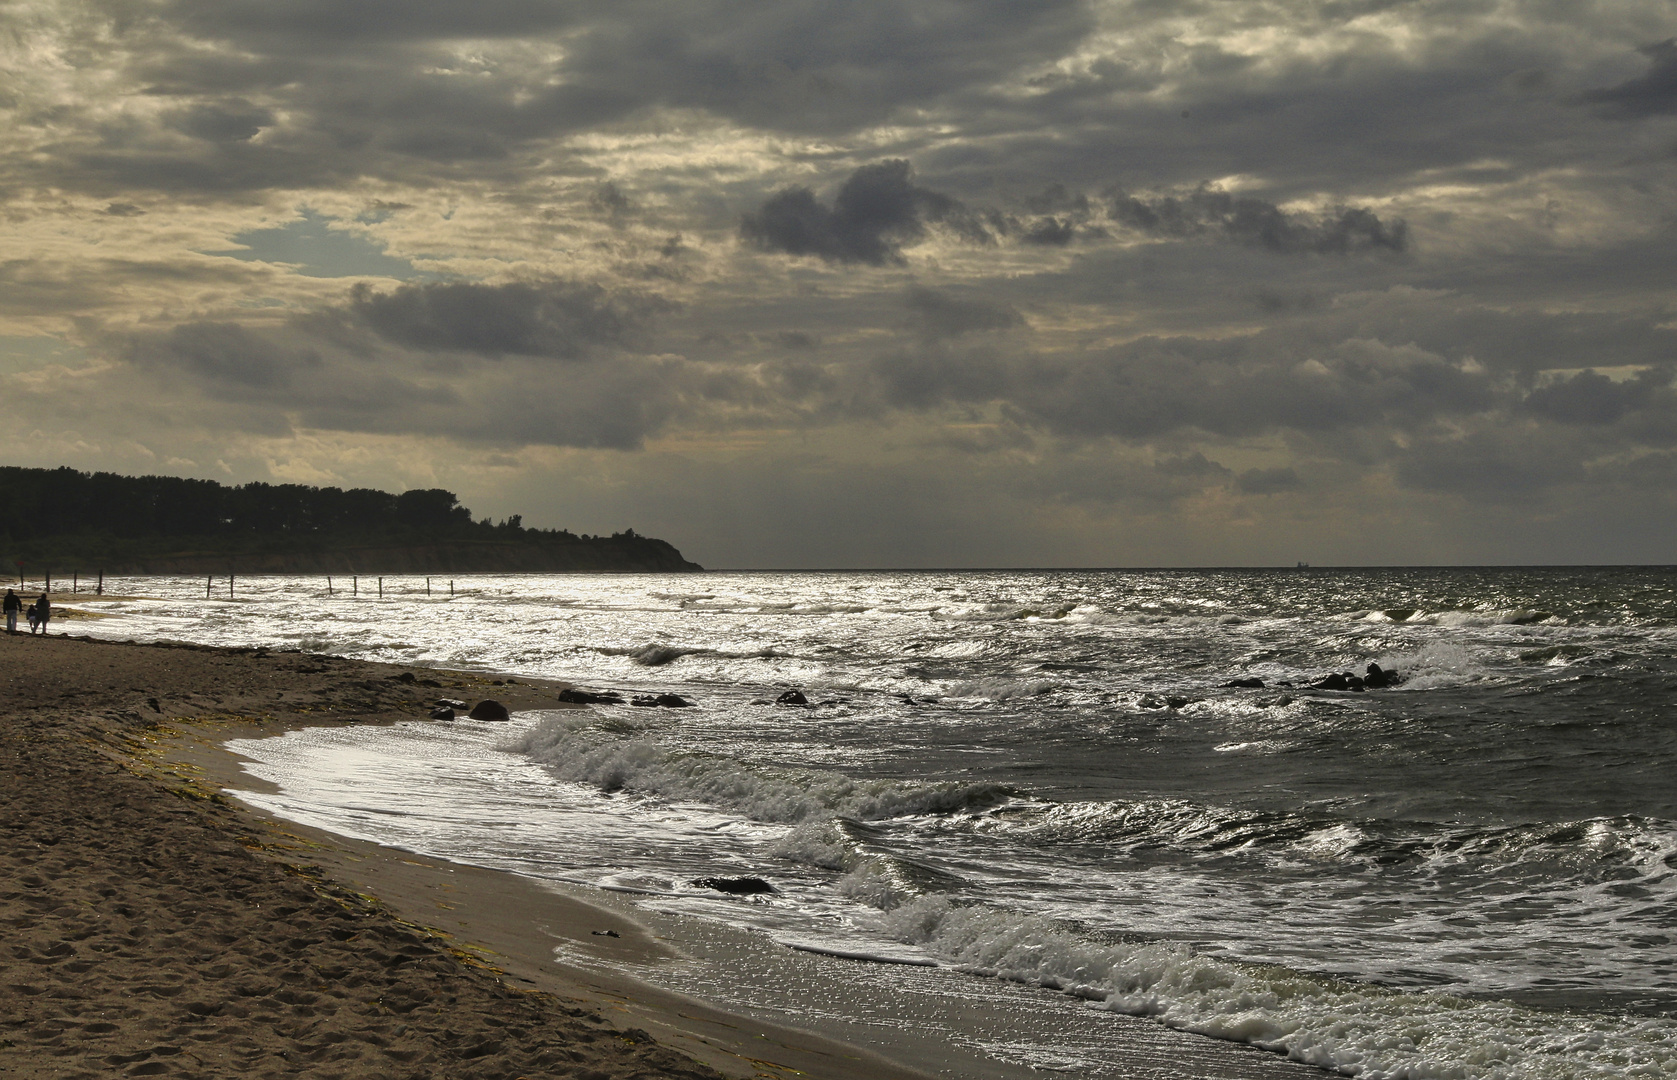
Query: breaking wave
{"points": [[614, 756], [1359, 1030]]}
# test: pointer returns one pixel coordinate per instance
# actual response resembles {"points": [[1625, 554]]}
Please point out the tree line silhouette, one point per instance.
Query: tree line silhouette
{"points": [[46, 512]]}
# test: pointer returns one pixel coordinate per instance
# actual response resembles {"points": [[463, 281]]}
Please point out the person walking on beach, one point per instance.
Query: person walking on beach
{"points": [[43, 612], [12, 606]]}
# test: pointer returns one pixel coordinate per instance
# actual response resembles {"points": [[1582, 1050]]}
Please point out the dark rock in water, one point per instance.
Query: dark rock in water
{"points": [[1378, 678], [584, 697], [1169, 701], [734, 886], [1151, 701], [448, 703], [1336, 681], [406, 676], [792, 697], [1176, 702], [489, 709], [662, 701], [605, 933], [1249, 684], [442, 712], [1277, 703], [1354, 682]]}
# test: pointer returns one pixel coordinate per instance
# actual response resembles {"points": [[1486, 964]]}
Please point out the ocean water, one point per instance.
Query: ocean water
{"points": [[1041, 779]]}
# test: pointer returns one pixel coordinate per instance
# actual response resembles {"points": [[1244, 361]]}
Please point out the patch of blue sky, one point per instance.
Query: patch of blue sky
{"points": [[317, 249]]}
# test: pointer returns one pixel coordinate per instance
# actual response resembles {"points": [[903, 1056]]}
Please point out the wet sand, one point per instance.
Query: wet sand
{"points": [[155, 927]]}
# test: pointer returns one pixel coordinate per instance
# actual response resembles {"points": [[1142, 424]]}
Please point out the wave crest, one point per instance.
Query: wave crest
{"points": [[619, 757]]}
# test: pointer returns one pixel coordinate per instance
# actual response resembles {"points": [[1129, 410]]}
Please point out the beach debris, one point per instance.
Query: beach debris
{"points": [[1246, 684], [489, 709], [585, 697], [442, 712], [605, 933], [734, 886], [792, 697], [449, 703], [662, 701]]}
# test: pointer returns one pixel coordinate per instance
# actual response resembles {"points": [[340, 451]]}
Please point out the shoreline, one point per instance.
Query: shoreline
{"points": [[96, 724]]}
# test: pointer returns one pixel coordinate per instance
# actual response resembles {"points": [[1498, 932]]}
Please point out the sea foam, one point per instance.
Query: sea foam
{"points": [[615, 756], [1355, 1029]]}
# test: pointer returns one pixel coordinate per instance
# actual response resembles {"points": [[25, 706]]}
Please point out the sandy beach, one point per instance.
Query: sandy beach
{"points": [[156, 927]]}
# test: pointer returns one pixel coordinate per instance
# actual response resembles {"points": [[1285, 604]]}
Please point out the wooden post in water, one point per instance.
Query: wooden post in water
{"points": [[427, 586], [328, 585], [229, 586], [99, 589], [208, 581], [451, 588], [49, 582], [75, 582], [355, 585], [381, 588]]}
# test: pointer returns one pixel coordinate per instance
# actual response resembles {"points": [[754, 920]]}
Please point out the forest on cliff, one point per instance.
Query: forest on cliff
{"points": [[64, 520]]}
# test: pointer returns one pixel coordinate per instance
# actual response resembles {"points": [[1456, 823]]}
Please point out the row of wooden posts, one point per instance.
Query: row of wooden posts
{"points": [[354, 586], [75, 582], [209, 585]]}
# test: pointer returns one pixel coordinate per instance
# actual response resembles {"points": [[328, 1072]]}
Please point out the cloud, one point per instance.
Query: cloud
{"points": [[1591, 398], [938, 315], [373, 364], [1253, 221], [876, 212], [560, 319], [1653, 93], [1267, 481]]}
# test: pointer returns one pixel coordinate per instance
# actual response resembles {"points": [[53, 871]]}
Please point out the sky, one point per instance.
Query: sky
{"points": [[919, 283]]}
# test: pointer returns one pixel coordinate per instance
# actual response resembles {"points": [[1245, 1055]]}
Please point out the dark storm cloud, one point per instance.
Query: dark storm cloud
{"points": [[875, 213], [939, 315], [233, 121], [1590, 398], [380, 88], [1652, 93], [226, 356], [1254, 221], [1049, 232], [1192, 466], [1267, 481], [471, 362], [1157, 387], [1500, 464], [355, 23], [560, 319], [809, 65]]}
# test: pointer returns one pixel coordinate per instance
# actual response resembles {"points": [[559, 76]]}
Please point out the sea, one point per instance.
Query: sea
{"points": [[1050, 786]]}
